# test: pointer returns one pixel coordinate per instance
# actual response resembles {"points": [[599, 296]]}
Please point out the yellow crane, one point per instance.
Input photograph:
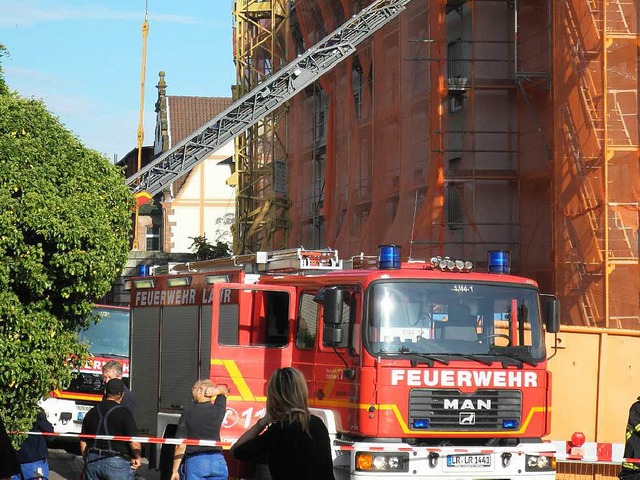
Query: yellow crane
{"points": [[145, 33]]}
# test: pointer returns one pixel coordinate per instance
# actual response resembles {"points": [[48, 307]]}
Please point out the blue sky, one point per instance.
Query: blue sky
{"points": [[83, 58]]}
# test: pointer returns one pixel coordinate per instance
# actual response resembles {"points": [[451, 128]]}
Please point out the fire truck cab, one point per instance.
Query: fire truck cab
{"points": [[108, 339], [420, 369]]}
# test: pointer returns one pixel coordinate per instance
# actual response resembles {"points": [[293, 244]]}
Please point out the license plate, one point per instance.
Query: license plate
{"points": [[82, 411], [469, 461]]}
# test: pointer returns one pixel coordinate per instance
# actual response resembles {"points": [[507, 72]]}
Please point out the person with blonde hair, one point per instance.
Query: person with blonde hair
{"points": [[202, 421], [296, 443]]}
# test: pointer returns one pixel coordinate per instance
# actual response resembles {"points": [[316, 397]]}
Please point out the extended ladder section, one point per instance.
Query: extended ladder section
{"points": [[265, 98], [292, 260]]}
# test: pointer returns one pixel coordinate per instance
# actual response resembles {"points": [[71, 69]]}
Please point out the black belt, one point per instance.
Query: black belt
{"points": [[205, 452], [105, 453]]}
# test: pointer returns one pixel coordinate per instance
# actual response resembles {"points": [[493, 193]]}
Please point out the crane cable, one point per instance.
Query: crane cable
{"points": [[145, 33]]}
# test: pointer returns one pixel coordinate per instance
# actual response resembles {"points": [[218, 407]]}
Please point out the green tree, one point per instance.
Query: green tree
{"points": [[64, 236], [3, 86], [205, 250]]}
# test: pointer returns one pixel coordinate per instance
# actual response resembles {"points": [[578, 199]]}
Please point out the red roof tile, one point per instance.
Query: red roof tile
{"points": [[187, 114]]}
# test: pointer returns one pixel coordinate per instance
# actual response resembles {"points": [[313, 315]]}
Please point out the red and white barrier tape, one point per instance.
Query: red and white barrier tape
{"points": [[590, 452], [121, 438]]}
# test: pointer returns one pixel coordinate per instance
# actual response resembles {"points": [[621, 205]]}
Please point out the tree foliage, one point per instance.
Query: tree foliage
{"points": [[64, 236], [205, 250], [3, 85]]}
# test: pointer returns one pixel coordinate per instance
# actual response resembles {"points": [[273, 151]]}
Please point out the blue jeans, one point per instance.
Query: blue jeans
{"points": [[107, 468], [210, 466], [37, 469]]}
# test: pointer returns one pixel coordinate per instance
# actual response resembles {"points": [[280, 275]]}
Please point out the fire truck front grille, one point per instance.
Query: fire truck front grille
{"points": [[86, 383], [453, 411]]}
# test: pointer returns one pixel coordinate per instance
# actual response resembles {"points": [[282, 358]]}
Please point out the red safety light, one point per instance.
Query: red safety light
{"points": [[577, 439]]}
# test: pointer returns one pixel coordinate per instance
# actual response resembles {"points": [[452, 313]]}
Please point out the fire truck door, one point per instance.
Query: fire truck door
{"points": [[336, 384], [306, 338], [251, 336]]}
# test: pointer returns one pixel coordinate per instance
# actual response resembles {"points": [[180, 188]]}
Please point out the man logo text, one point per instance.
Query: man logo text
{"points": [[467, 404]]}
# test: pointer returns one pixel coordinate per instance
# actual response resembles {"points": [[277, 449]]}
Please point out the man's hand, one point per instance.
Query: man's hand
{"points": [[222, 389], [217, 390], [175, 476], [136, 451]]}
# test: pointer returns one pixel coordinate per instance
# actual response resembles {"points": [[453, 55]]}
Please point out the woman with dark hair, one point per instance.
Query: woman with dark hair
{"points": [[296, 443]]}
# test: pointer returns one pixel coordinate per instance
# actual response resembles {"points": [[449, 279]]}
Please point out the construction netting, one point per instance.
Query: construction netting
{"points": [[596, 172], [360, 139], [462, 127]]}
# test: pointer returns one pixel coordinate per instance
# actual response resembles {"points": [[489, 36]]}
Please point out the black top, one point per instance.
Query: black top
{"points": [[632, 445], [128, 400], [202, 421], [8, 462], [291, 452], [110, 418], [34, 447]]}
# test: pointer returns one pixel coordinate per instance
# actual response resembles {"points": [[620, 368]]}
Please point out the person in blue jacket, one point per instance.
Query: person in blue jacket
{"points": [[8, 461], [33, 454]]}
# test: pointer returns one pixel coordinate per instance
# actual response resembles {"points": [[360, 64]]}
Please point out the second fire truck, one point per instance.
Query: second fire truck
{"points": [[107, 339], [421, 369]]}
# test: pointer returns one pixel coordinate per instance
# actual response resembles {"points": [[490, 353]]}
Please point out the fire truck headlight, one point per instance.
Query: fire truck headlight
{"points": [[452, 264], [538, 463], [378, 462]]}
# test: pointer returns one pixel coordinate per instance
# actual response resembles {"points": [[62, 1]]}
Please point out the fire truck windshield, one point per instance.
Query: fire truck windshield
{"points": [[454, 319], [109, 336]]}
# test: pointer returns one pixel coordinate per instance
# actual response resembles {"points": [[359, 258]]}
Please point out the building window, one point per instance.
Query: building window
{"points": [[357, 85], [153, 238], [456, 103], [321, 108], [453, 205]]}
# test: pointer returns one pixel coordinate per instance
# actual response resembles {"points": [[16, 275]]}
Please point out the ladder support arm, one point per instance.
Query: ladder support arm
{"points": [[264, 98]]}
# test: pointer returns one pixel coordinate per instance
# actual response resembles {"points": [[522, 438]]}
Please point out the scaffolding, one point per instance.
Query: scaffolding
{"points": [[261, 30], [597, 161]]}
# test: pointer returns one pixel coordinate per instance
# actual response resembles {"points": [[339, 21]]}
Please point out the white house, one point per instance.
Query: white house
{"points": [[200, 203]]}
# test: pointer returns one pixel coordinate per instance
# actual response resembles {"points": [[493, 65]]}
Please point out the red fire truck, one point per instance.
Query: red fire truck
{"points": [[108, 340], [419, 369]]}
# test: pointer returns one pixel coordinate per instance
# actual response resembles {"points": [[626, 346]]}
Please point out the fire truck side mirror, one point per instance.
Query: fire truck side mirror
{"points": [[331, 335], [333, 298], [552, 314]]}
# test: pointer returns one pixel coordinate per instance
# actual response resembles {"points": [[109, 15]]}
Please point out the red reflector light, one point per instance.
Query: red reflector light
{"points": [[577, 439]]}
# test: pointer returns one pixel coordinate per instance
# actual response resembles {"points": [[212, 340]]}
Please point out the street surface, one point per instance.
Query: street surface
{"points": [[68, 466]]}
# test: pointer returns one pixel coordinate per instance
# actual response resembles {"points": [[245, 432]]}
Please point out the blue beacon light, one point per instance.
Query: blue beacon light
{"points": [[421, 423], [499, 261], [509, 424], [389, 256]]}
